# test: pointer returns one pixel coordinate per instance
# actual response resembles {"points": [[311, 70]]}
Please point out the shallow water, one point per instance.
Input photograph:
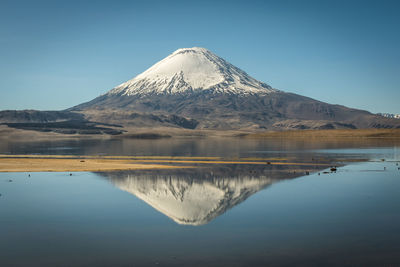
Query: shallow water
{"points": [[234, 215]]}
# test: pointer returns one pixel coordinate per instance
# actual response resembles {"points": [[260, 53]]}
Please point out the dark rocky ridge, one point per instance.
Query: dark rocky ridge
{"points": [[68, 122], [67, 127], [64, 122], [36, 116]]}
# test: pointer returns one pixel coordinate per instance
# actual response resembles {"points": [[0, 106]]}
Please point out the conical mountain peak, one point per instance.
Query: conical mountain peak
{"points": [[190, 70], [194, 88], [191, 50]]}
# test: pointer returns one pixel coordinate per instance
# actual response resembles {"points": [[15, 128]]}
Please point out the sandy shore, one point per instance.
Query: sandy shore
{"points": [[35, 164], [60, 163]]}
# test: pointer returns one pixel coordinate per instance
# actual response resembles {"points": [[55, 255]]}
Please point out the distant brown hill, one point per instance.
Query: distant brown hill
{"points": [[277, 110]]}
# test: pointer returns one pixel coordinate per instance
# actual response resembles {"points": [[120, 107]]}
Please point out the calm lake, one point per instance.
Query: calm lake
{"points": [[219, 215]]}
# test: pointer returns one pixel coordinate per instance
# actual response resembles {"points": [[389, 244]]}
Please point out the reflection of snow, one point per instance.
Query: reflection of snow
{"points": [[190, 201]]}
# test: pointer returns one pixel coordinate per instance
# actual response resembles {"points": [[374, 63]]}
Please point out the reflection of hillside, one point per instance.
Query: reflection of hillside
{"points": [[197, 196]]}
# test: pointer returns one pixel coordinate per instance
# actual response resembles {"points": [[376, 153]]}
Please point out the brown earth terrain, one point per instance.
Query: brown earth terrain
{"points": [[330, 134]]}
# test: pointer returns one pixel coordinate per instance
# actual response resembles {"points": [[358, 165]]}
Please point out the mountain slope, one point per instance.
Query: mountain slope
{"points": [[195, 84]]}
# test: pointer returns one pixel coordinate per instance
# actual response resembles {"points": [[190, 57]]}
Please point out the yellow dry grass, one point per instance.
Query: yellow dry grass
{"points": [[108, 157], [67, 163], [72, 165]]}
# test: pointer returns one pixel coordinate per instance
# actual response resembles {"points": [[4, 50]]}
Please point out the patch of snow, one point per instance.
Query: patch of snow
{"points": [[192, 69]]}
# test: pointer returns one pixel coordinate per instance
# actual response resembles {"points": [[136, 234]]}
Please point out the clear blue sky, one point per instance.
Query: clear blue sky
{"points": [[56, 54]]}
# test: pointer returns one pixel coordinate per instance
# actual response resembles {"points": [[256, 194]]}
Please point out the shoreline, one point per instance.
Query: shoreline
{"points": [[334, 134], [72, 163], [59, 164]]}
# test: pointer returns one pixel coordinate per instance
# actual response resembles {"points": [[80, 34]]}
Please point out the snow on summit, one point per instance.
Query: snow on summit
{"points": [[197, 69], [190, 70]]}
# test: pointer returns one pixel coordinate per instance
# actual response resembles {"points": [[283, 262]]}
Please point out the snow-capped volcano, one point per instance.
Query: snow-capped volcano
{"points": [[195, 89], [188, 70]]}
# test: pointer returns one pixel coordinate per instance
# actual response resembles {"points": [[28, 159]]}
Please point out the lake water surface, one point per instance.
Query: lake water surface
{"points": [[220, 215]]}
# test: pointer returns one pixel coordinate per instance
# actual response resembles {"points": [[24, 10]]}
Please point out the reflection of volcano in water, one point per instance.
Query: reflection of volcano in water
{"points": [[191, 201], [195, 197]]}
